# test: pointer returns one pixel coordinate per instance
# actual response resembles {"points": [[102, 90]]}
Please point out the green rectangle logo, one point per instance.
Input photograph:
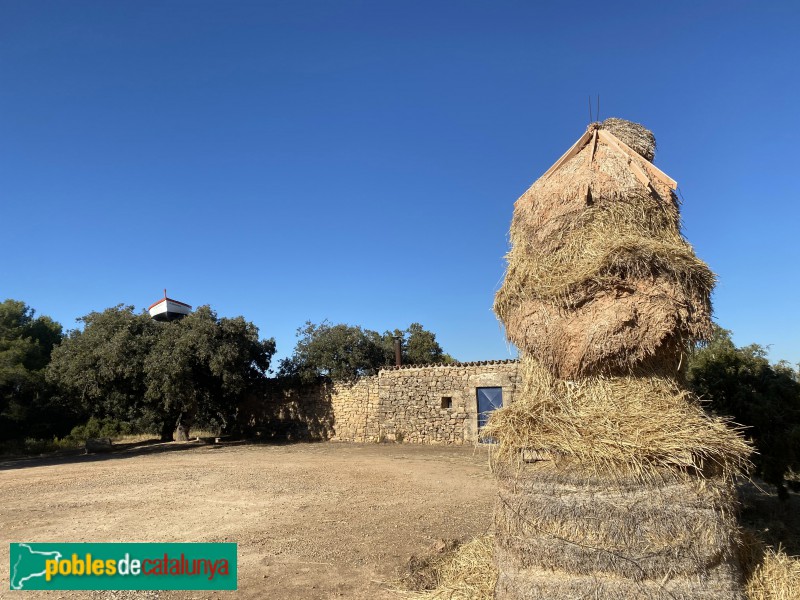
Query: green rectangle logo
{"points": [[90, 566]]}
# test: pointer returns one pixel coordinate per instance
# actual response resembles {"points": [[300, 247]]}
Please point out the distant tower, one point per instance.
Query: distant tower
{"points": [[168, 309]]}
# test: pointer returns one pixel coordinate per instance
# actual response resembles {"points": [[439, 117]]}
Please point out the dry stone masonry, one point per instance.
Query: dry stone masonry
{"points": [[419, 404], [432, 404]]}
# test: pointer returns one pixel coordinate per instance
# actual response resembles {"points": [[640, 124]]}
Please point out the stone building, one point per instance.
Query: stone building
{"points": [[430, 404]]}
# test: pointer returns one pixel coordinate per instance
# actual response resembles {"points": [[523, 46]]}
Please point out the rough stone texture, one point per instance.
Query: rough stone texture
{"points": [[286, 409], [406, 404], [355, 409], [403, 405]]}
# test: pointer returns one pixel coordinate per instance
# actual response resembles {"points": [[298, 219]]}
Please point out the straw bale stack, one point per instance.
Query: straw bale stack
{"points": [[614, 483]]}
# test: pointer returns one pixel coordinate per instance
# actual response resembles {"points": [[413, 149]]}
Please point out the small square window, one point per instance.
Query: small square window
{"points": [[447, 402]]}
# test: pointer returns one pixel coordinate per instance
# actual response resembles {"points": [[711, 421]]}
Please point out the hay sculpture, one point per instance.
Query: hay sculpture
{"points": [[600, 279], [614, 483]]}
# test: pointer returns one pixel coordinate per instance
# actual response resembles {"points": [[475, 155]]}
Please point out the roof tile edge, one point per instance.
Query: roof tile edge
{"points": [[474, 363]]}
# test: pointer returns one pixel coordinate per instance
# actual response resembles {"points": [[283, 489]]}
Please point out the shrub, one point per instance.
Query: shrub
{"points": [[100, 428]]}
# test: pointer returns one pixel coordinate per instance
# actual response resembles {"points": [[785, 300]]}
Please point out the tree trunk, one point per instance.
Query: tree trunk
{"points": [[167, 427]]}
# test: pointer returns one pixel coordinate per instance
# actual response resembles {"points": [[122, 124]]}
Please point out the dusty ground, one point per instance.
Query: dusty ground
{"points": [[327, 520]]}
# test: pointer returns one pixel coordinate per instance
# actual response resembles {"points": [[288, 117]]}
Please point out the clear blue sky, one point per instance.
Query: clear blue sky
{"points": [[359, 161]]}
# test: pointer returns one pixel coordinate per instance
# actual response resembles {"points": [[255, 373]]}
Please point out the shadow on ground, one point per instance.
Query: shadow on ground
{"points": [[776, 522], [118, 451]]}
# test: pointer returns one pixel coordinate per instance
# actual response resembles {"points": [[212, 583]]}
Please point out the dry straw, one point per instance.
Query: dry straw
{"points": [[558, 531], [777, 577], [613, 481], [641, 140], [599, 277], [615, 427], [468, 573], [617, 487]]}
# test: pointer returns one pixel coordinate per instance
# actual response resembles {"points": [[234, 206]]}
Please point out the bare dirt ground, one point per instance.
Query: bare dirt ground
{"points": [[312, 521]]}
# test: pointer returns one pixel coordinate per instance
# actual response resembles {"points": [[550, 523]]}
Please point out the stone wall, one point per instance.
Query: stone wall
{"points": [[286, 409], [424, 405], [434, 404], [355, 408]]}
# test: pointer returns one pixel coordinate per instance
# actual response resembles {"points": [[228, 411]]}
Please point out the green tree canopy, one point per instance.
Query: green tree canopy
{"points": [[130, 367], [26, 343], [101, 366], [346, 352], [421, 348], [200, 367], [341, 352], [742, 383]]}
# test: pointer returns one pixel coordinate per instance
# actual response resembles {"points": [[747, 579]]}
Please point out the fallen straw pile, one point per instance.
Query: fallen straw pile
{"points": [[613, 481], [466, 573], [776, 577]]}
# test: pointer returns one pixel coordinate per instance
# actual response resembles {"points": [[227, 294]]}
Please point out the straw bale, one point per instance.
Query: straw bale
{"points": [[615, 427], [613, 480], [470, 573], [722, 583], [599, 276], [680, 527], [617, 536], [610, 334]]}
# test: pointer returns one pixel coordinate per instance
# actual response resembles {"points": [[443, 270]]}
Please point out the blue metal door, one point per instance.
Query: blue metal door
{"points": [[489, 399]]}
